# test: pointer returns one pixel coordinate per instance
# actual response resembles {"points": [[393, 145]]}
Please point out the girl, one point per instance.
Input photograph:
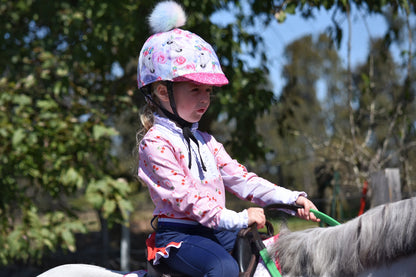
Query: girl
{"points": [[187, 171]]}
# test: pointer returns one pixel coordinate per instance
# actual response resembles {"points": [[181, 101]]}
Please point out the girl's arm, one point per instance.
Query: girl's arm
{"points": [[247, 185], [253, 188]]}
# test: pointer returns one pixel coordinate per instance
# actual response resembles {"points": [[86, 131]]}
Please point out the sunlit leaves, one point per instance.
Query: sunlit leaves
{"points": [[99, 131], [48, 152], [28, 237], [108, 195]]}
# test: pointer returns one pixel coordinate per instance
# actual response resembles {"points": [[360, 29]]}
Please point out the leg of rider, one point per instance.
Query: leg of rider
{"points": [[226, 239], [201, 256]]}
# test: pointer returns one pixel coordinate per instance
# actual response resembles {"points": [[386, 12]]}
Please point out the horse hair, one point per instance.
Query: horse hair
{"points": [[378, 237]]}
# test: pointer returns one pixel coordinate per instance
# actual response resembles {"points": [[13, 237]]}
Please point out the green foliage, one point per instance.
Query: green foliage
{"points": [[58, 95], [34, 234], [108, 196], [46, 154]]}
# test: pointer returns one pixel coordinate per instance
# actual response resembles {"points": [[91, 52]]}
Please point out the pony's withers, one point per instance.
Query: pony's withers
{"points": [[377, 239]]}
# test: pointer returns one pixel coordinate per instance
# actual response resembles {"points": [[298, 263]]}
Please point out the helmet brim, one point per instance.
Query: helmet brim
{"points": [[204, 78]]}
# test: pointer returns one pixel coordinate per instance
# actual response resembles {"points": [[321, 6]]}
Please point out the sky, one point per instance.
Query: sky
{"points": [[278, 35]]}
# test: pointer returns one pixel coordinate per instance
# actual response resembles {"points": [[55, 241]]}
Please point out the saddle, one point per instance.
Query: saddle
{"points": [[245, 252]]}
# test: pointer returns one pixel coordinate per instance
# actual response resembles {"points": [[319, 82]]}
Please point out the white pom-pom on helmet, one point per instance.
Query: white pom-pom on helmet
{"points": [[166, 16], [173, 54]]}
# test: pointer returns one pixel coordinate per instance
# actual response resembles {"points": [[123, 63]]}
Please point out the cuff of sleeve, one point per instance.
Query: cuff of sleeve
{"points": [[230, 220], [293, 199], [296, 195]]}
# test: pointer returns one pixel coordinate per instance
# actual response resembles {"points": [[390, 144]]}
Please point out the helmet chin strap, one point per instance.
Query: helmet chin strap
{"points": [[185, 125]]}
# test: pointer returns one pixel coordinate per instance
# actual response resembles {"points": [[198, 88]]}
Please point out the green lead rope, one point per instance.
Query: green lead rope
{"points": [[268, 261], [325, 218]]}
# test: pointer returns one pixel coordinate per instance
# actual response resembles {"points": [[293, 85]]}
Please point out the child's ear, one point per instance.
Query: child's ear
{"points": [[161, 92]]}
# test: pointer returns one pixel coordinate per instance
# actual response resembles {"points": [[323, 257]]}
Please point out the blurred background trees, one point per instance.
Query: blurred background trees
{"points": [[69, 105]]}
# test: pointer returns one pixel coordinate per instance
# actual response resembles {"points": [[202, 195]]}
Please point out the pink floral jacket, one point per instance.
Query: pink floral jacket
{"points": [[195, 194]]}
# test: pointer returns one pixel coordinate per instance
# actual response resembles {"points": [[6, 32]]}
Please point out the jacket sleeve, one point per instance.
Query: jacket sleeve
{"points": [[247, 185]]}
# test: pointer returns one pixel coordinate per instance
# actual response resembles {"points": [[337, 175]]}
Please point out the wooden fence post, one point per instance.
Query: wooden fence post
{"points": [[385, 186]]}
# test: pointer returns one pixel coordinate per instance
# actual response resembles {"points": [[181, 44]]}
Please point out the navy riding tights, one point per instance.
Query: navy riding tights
{"points": [[204, 251]]}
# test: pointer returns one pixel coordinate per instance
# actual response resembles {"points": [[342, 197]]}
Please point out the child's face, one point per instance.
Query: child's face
{"points": [[192, 100]]}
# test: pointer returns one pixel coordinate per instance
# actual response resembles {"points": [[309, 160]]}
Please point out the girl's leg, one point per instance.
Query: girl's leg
{"points": [[226, 238], [200, 256]]}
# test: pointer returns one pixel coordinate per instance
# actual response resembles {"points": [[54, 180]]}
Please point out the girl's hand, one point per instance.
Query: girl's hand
{"points": [[304, 212], [256, 215]]}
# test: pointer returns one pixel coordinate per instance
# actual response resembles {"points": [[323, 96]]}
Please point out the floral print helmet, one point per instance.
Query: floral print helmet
{"points": [[173, 54]]}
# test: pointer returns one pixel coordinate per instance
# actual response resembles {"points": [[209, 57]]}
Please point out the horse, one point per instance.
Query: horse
{"points": [[381, 242]]}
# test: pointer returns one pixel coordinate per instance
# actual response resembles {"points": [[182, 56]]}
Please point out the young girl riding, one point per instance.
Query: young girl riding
{"points": [[187, 171]]}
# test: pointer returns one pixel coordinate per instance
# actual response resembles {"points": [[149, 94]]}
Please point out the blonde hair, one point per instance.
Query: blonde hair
{"points": [[146, 117]]}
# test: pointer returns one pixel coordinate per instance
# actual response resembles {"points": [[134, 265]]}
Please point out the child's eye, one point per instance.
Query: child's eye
{"points": [[199, 89]]}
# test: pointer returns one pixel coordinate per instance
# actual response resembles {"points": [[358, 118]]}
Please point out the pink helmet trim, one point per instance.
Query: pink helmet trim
{"points": [[213, 79]]}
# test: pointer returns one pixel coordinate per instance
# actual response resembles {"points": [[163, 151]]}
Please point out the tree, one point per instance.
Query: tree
{"points": [[296, 126], [58, 92], [368, 112]]}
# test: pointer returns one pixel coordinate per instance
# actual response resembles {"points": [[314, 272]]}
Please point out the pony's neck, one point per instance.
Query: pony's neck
{"points": [[401, 267]]}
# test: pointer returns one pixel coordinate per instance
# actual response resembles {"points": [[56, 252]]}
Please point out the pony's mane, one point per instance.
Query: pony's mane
{"points": [[378, 237]]}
